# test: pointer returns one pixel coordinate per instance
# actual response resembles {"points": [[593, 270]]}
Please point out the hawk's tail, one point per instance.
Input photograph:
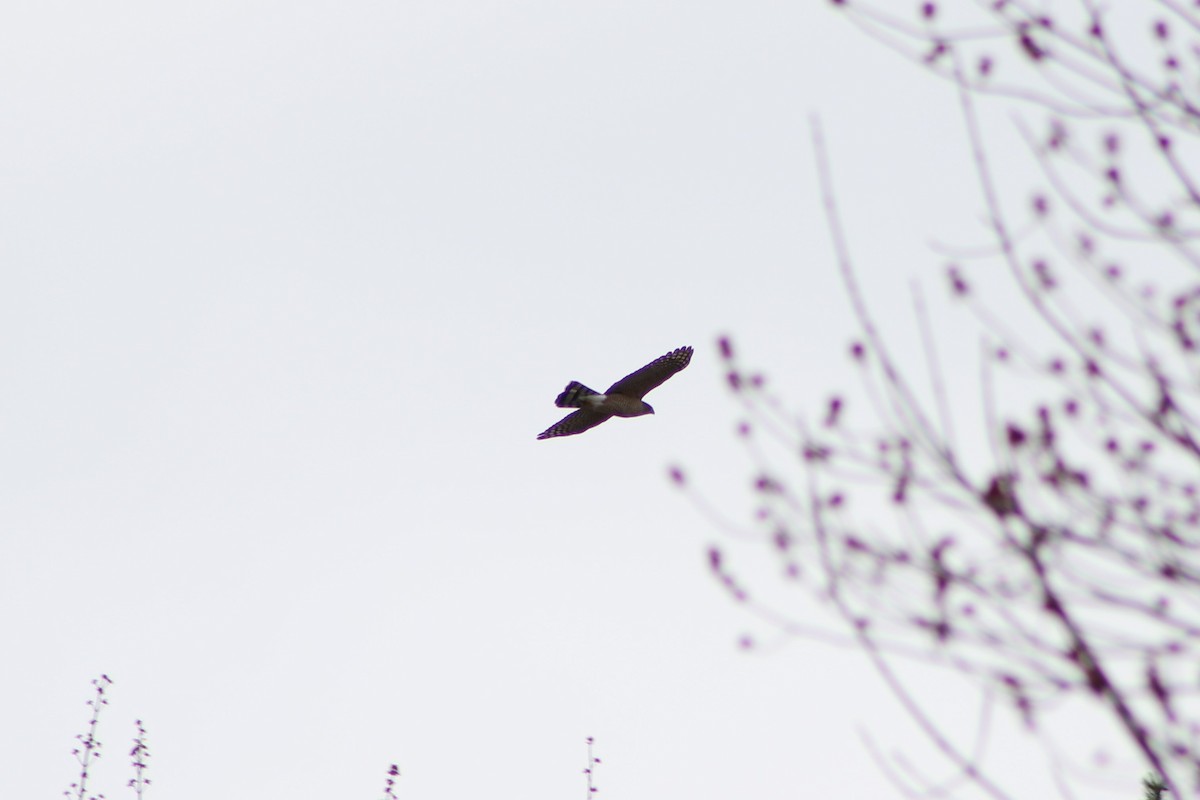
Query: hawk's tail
{"points": [[574, 396]]}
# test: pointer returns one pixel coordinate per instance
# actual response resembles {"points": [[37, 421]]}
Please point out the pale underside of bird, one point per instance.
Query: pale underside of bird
{"points": [[622, 399]]}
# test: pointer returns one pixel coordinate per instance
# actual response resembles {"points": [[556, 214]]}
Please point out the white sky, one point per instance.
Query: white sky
{"points": [[287, 292]]}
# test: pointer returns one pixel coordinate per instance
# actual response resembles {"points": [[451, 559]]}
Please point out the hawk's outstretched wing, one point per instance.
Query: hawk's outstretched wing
{"points": [[637, 384], [580, 421]]}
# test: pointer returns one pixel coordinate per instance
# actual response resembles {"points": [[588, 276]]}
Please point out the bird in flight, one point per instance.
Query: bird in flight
{"points": [[622, 399]]}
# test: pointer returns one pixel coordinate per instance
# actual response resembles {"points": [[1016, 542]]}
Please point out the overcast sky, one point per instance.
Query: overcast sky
{"points": [[286, 292]]}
